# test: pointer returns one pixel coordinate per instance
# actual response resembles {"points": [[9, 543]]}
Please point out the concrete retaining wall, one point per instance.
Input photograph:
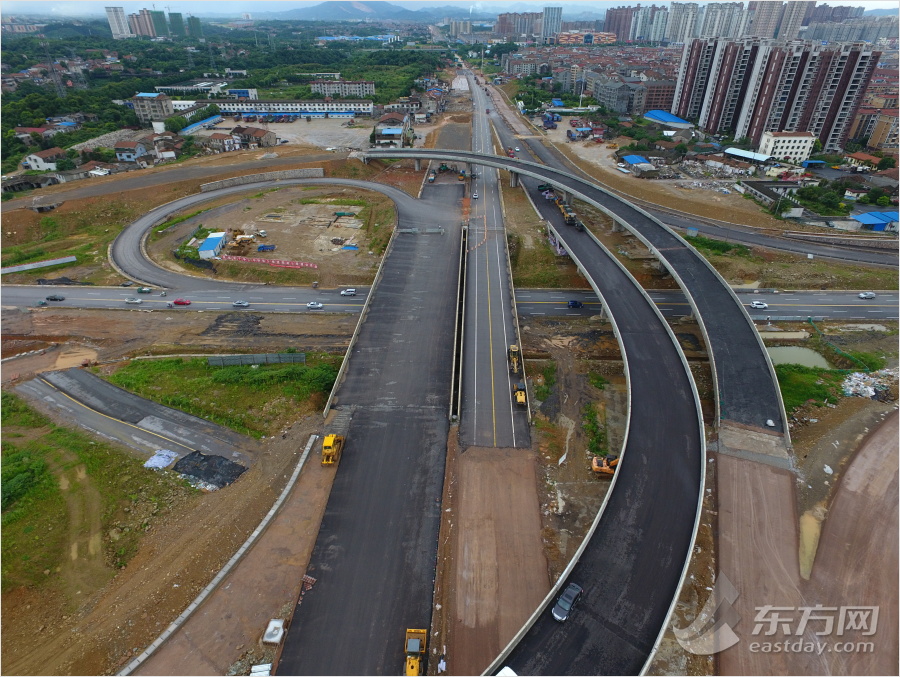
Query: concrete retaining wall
{"points": [[311, 173], [889, 243]]}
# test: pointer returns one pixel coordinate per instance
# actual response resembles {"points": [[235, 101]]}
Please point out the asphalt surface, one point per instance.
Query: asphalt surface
{"points": [[746, 389], [133, 421], [376, 551], [489, 416], [632, 565]]}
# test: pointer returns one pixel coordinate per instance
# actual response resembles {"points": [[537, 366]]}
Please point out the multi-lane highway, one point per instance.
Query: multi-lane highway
{"points": [[489, 417]]}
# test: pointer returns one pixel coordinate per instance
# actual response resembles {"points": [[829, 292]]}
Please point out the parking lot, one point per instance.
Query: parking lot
{"points": [[334, 133]]}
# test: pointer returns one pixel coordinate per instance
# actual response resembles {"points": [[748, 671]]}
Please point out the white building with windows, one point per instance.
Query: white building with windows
{"points": [[118, 23], [316, 108], [794, 147]]}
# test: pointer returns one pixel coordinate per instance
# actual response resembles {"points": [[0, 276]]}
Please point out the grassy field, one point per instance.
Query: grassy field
{"points": [[37, 456], [253, 400], [800, 385]]}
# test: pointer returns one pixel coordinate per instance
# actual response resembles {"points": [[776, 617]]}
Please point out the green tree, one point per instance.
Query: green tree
{"points": [[883, 201], [887, 163], [65, 164]]}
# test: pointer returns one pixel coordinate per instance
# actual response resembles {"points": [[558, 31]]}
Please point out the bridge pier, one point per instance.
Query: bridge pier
{"points": [[418, 165], [513, 179], [617, 227]]}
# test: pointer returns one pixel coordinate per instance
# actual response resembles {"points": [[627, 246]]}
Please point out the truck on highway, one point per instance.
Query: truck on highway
{"points": [[416, 645]]}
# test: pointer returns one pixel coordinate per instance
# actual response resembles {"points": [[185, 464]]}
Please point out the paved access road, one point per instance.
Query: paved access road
{"points": [[133, 421], [489, 417]]}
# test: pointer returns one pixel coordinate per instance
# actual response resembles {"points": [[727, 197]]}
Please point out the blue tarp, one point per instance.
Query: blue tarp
{"points": [[878, 220], [635, 159], [392, 130]]}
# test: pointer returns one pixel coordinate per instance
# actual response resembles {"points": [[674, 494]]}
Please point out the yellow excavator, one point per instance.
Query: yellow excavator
{"points": [[604, 466]]}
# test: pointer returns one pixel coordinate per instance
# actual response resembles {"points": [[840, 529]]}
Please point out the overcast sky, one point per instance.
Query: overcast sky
{"points": [[218, 7]]}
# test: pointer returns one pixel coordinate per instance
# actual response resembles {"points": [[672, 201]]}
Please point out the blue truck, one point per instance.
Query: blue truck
{"points": [[266, 248]]}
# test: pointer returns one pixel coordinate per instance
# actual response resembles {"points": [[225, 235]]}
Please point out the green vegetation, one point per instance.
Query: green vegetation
{"points": [[543, 390], [801, 385], [708, 245], [253, 400], [35, 517], [174, 221], [825, 199], [594, 430], [597, 380]]}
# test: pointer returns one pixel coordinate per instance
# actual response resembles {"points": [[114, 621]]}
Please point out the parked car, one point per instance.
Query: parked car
{"points": [[56, 297], [240, 304], [132, 299], [759, 304], [144, 290], [314, 305], [181, 302], [867, 295], [127, 283], [566, 602], [576, 304], [348, 292]]}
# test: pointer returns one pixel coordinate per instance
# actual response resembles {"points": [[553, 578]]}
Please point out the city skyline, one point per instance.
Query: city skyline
{"points": [[92, 8]]}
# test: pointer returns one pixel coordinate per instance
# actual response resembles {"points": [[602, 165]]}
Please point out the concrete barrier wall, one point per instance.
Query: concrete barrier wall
{"points": [[310, 173], [888, 243]]}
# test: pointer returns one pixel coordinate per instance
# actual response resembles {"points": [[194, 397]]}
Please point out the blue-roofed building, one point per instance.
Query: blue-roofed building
{"points": [[878, 221], [557, 103], [667, 119], [748, 156], [635, 160], [212, 245]]}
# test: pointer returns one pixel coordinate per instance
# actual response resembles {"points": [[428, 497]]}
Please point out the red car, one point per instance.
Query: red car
{"points": [[181, 302]]}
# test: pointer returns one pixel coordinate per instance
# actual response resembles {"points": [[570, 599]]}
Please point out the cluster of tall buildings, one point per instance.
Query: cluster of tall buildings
{"points": [[151, 23], [747, 86], [545, 24], [683, 21]]}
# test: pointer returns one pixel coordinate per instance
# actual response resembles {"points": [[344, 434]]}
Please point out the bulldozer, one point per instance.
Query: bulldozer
{"points": [[416, 643], [332, 446], [612, 146], [513, 354], [604, 466], [519, 393]]}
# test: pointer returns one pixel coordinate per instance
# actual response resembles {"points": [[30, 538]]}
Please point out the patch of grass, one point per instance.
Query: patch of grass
{"points": [[35, 518], [548, 373], [597, 380], [177, 219], [800, 385], [254, 401], [593, 430], [708, 245]]}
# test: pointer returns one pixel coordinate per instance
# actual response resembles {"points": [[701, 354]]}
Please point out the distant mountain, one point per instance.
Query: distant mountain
{"points": [[349, 10], [880, 12]]}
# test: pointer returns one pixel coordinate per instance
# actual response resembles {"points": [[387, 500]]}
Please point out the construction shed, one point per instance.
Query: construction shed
{"points": [[212, 245]]}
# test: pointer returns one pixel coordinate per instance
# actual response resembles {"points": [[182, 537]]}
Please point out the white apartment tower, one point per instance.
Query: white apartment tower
{"points": [[552, 23], [118, 24], [723, 19], [682, 24]]}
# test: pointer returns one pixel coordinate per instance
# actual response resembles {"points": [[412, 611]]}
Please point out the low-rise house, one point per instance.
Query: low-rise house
{"points": [[222, 143], [24, 133], [855, 193], [44, 160], [253, 137], [862, 160], [130, 151]]}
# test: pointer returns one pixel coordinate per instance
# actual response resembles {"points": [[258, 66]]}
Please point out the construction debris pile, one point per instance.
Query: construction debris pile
{"points": [[876, 385]]}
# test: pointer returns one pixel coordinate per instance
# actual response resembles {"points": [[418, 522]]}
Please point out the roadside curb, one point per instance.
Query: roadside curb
{"points": [[237, 557]]}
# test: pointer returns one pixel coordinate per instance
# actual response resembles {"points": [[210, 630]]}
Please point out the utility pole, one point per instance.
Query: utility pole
{"points": [[212, 58], [190, 53]]}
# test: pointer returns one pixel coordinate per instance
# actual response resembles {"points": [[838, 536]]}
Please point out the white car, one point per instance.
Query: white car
{"points": [[240, 304], [348, 292], [314, 305], [474, 196], [517, 149], [132, 299], [759, 304], [867, 295]]}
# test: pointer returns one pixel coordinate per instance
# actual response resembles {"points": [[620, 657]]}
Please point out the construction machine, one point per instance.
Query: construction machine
{"points": [[416, 643], [513, 355], [519, 393], [612, 146], [604, 466], [331, 449]]}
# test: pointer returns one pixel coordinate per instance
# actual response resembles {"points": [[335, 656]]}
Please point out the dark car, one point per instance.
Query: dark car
{"points": [[576, 304], [566, 602], [127, 283], [56, 297]]}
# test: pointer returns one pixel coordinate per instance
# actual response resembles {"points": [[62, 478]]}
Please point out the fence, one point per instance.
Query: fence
{"points": [[265, 358]]}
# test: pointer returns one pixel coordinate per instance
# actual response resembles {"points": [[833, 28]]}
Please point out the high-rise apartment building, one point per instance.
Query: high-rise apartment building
{"points": [[176, 24], [158, 17], [648, 24], [142, 23], [460, 28], [749, 86], [118, 23], [723, 19], [822, 13], [194, 28], [551, 23], [516, 23], [618, 21], [682, 25], [794, 13], [765, 15]]}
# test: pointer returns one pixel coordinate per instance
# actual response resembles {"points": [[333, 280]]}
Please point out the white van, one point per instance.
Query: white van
{"points": [[348, 292]]}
